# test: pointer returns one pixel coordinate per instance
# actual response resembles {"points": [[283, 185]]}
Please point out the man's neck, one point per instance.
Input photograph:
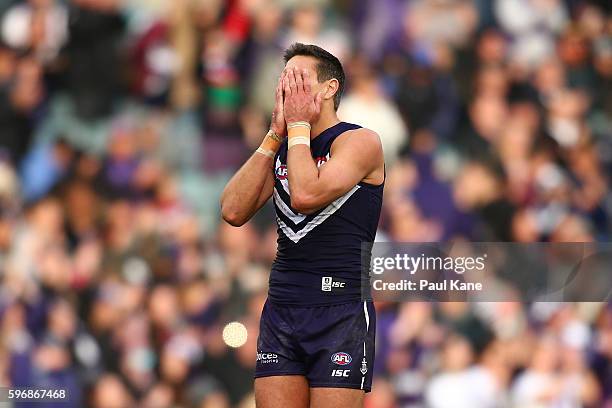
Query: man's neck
{"points": [[326, 120]]}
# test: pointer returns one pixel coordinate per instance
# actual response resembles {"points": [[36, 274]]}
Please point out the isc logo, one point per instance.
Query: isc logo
{"points": [[327, 283], [340, 373], [341, 358]]}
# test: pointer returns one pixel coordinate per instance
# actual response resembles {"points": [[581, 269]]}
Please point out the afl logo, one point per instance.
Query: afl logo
{"points": [[281, 172], [341, 358]]}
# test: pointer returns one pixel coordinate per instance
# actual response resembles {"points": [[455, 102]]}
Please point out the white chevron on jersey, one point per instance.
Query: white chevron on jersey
{"points": [[296, 218], [318, 219]]}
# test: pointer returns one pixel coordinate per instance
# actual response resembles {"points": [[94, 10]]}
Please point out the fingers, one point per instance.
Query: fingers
{"points": [[279, 91], [307, 87], [286, 86], [291, 80], [279, 86], [299, 81]]}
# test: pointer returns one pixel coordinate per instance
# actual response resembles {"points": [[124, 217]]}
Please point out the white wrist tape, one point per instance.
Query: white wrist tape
{"points": [[265, 152], [298, 140], [298, 124]]}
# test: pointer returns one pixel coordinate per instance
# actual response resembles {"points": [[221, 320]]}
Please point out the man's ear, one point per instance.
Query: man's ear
{"points": [[332, 88]]}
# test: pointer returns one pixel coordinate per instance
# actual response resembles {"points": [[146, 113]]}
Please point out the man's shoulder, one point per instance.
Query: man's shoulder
{"points": [[359, 138]]}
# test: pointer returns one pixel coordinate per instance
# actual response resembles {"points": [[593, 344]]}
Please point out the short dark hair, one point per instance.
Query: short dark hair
{"points": [[328, 66]]}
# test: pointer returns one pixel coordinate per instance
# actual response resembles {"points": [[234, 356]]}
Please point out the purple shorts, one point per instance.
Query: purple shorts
{"points": [[332, 346]]}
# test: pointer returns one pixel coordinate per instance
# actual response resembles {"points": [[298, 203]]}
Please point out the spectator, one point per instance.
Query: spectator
{"points": [[116, 278]]}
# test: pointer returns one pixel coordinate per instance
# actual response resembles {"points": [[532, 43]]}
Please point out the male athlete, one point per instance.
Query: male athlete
{"points": [[316, 340]]}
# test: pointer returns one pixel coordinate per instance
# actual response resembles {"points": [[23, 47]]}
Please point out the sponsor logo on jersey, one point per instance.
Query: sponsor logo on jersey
{"points": [[341, 358], [328, 283], [281, 172], [340, 373], [266, 357]]}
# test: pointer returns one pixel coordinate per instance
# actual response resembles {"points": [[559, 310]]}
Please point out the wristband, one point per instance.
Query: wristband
{"points": [[298, 136], [298, 140], [265, 152], [274, 136], [270, 143], [300, 123]]}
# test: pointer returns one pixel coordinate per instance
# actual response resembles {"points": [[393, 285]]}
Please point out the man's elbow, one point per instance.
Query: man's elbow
{"points": [[233, 217], [304, 203]]}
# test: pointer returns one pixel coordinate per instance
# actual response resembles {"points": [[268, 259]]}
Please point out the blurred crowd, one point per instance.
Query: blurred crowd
{"points": [[121, 120]]}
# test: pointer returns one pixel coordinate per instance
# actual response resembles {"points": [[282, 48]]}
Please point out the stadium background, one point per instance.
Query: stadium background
{"points": [[121, 120]]}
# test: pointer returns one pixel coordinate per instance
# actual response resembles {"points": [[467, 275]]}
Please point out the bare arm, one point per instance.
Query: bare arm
{"points": [[253, 184], [248, 190], [355, 156]]}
